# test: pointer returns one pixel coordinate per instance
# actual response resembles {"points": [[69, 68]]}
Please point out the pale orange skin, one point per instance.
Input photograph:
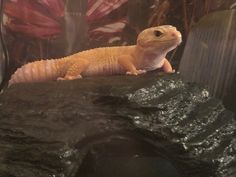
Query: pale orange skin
{"points": [[148, 54]]}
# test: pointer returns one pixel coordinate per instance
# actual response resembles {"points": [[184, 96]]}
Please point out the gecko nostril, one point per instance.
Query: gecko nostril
{"points": [[176, 35]]}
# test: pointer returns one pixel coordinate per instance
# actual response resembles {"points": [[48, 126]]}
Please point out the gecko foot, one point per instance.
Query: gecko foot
{"points": [[69, 78], [136, 72], [170, 72]]}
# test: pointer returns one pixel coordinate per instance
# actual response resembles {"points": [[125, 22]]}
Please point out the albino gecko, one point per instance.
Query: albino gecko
{"points": [[148, 54]]}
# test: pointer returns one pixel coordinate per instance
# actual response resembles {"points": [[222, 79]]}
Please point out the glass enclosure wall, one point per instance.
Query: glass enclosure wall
{"points": [[3, 62]]}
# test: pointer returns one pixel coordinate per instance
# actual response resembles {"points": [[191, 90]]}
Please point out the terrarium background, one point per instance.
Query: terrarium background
{"points": [[54, 28]]}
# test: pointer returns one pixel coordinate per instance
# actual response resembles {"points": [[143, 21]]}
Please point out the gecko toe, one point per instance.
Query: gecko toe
{"points": [[171, 72], [141, 71], [73, 77], [131, 73], [61, 79], [69, 78]]}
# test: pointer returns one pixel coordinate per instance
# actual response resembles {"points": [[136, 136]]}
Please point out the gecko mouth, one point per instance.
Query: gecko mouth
{"points": [[179, 40], [175, 42]]}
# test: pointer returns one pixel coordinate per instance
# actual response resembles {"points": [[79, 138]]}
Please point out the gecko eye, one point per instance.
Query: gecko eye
{"points": [[158, 33]]}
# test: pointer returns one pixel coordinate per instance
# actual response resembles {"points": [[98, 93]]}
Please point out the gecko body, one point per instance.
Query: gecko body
{"points": [[148, 54]]}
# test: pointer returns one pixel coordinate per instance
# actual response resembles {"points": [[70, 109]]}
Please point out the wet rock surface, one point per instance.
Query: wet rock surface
{"points": [[151, 125]]}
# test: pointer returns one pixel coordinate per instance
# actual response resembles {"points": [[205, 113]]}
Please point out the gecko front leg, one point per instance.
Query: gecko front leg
{"points": [[127, 62], [74, 71], [167, 68]]}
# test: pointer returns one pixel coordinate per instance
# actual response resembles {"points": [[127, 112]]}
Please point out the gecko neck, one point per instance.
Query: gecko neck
{"points": [[149, 59]]}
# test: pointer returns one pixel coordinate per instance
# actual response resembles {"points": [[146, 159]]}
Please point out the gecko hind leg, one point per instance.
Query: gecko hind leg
{"points": [[74, 71]]}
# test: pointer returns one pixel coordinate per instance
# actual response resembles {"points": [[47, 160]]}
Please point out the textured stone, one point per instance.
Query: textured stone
{"points": [[150, 125]]}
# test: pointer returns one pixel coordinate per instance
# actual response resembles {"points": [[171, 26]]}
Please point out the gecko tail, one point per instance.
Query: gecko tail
{"points": [[38, 71]]}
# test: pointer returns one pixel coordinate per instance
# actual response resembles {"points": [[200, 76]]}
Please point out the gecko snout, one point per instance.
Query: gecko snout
{"points": [[176, 34]]}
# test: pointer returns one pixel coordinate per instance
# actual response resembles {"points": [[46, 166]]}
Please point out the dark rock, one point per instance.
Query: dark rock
{"points": [[150, 125]]}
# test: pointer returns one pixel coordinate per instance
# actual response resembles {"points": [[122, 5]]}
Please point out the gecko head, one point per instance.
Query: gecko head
{"points": [[161, 39]]}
